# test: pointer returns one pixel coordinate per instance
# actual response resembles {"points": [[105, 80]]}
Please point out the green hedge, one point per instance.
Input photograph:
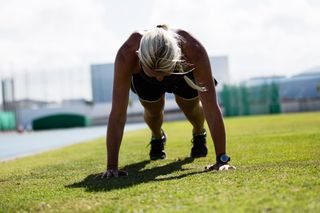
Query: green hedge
{"points": [[7, 121], [58, 121], [243, 100]]}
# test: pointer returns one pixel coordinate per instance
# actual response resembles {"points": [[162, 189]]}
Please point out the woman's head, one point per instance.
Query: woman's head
{"points": [[159, 49]]}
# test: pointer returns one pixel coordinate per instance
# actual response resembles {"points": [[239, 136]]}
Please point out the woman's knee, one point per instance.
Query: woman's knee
{"points": [[188, 106], [153, 108]]}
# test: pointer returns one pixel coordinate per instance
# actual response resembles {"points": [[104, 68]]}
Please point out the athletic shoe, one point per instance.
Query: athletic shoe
{"points": [[199, 148], [157, 147]]}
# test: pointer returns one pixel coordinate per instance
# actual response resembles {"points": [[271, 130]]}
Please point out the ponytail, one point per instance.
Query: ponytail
{"points": [[194, 85], [163, 26]]}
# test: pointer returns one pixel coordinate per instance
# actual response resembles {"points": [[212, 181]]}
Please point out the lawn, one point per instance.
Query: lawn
{"points": [[277, 159]]}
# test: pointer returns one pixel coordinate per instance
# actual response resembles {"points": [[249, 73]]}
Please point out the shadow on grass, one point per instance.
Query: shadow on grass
{"points": [[93, 182]]}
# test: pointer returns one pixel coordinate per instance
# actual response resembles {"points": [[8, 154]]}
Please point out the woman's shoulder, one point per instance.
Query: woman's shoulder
{"points": [[132, 43], [191, 47], [186, 36], [127, 55], [128, 49]]}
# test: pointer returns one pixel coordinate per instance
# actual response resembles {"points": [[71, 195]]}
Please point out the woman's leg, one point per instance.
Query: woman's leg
{"points": [[194, 113], [153, 115]]}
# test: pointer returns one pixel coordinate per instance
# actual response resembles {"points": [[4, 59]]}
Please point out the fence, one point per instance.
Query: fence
{"points": [[243, 100]]}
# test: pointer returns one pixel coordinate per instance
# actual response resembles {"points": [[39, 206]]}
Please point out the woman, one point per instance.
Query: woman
{"points": [[152, 63]]}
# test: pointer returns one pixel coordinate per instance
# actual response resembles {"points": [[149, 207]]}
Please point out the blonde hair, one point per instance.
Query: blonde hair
{"points": [[160, 51]]}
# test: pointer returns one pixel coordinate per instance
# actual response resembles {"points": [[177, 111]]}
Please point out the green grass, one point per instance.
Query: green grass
{"points": [[277, 159]]}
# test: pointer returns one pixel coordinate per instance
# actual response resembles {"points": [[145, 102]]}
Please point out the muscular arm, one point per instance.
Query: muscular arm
{"points": [[124, 65], [197, 55], [117, 117]]}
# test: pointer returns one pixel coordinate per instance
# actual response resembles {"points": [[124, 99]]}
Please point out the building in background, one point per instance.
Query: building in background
{"points": [[30, 96], [102, 79], [301, 92], [220, 70], [102, 82]]}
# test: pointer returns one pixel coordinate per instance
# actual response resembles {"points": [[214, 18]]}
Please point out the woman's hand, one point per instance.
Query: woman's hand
{"points": [[113, 173], [219, 167]]}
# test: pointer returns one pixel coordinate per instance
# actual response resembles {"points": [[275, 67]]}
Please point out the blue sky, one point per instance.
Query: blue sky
{"points": [[261, 37]]}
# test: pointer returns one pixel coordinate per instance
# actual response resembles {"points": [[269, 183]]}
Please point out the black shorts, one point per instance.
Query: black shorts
{"points": [[151, 90]]}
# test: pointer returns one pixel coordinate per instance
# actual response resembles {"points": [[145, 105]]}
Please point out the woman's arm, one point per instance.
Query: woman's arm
{"points": [[197, 55], [118, 114], [124, 65]]}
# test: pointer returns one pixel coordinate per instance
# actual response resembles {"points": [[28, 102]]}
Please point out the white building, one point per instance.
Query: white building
{"points": [[102, 82], [220, 70]]}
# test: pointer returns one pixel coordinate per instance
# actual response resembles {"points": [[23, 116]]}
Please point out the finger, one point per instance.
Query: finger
{"points": [[232, 168], [100, 175], [208, 167], [227, 167], [109, 174], [221, 168], [104, 175], [115, 173], [211, 167], [224, 167], [122, 173]]}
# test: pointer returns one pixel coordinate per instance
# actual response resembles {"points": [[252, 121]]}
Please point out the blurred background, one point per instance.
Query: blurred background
{"points": [[56, 57]]}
